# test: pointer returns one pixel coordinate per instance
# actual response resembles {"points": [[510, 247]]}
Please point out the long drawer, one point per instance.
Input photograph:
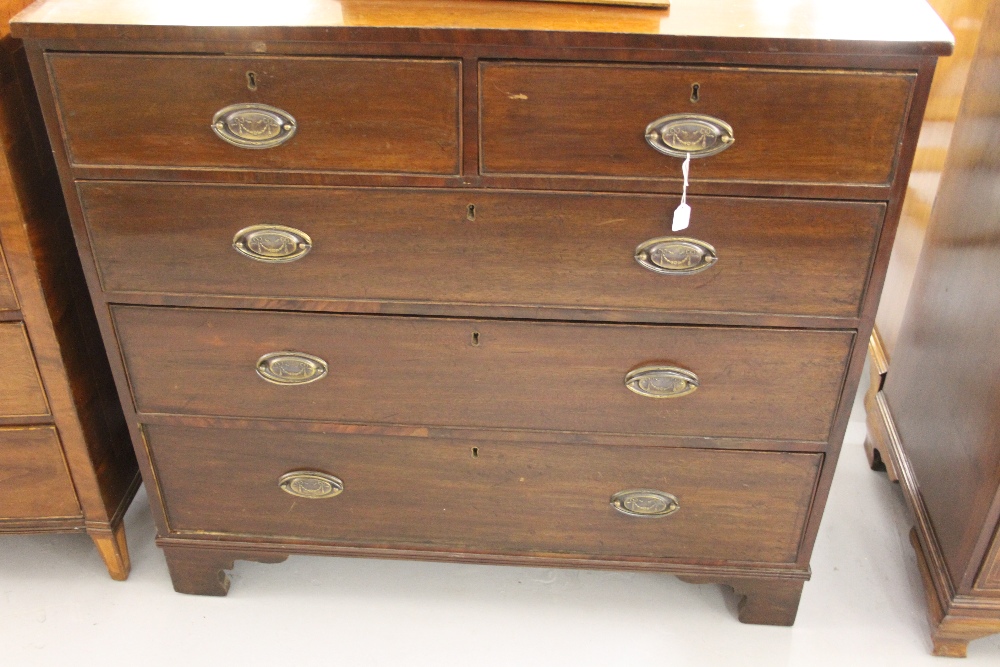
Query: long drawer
{"points": [[8, 300], [21, 393], [799, 126], [34, 479], [753, 383], [324, 114], [484, 496], [751, 256]]}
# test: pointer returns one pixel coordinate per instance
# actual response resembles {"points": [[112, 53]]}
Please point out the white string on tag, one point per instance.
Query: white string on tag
{"points": [[682, 216]]}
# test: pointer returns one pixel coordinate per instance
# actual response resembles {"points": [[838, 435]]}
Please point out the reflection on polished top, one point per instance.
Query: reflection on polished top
{"points": [[896, 23]]}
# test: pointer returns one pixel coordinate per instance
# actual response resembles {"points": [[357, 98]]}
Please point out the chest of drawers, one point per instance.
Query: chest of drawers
{"points": [[66, 463], [396, 279]]}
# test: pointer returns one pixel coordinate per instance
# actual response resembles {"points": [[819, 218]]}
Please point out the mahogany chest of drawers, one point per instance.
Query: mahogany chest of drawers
{"points": [[397, 279], [66, 463]]}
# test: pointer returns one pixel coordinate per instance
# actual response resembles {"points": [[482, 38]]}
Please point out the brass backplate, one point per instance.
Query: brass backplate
{"points": [[645, 503], [661, 381]]}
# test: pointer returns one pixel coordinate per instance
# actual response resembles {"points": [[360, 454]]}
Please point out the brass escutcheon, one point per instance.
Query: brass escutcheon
{"points": [[310, 484], [683, 134], [675, 255], [661, 381], [645, 503], [272, 243], [291, 368], [253, 125]]}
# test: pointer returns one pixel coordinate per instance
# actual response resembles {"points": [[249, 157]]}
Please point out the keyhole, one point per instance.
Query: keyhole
{"points": [[252, 80], [475, 338], [471, 213], [695, 89], [475, 452]]}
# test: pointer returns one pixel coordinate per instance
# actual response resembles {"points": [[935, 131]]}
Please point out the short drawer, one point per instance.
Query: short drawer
{"points": [[21, 393], [753, 383], [796, 126], [750, 256], [8, 300], [324, 114], [34, 479], [484, 496]]}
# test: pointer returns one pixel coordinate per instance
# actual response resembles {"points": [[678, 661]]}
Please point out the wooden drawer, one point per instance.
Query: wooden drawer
{"points": [[362, 115], [34, 479], [774, 256], [755, 383], [498, 497], [798, 126], [21, 393], [8, 299]]}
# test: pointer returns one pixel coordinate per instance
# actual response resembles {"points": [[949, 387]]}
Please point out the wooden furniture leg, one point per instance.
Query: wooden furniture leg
{"points": [[203, 571], [763, 601], [113, 548]]}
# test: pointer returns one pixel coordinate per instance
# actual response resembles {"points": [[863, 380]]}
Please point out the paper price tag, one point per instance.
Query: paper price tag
{"points": [[682, 216]]}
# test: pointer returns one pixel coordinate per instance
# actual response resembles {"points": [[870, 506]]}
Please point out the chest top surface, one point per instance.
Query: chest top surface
{"points": [[849, 26]]}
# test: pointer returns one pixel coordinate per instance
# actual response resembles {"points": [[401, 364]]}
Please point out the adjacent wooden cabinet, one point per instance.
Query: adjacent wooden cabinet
{"points": [[397, 278], [935, 424], [65, 459]]}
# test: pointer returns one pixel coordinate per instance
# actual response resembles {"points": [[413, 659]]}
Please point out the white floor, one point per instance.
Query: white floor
{"points": [[864, 606]]}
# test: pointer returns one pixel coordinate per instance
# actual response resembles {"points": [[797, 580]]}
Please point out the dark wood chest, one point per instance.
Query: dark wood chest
{"points": [[397, 279]]}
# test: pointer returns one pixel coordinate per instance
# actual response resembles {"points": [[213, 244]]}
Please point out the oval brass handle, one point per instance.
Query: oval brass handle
{"points": [[272, 243], [310, 484], [253, 125], [675, 255], [691, 134], [291, 368], [645, 503], [661, 381]]}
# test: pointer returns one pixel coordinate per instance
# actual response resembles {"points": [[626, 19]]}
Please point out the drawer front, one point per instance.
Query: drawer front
{"points": [[21, 393], [399, 116], [8, 300], [498, 497], [540, 249], [755, 383], [790, 126], [34, 480]]}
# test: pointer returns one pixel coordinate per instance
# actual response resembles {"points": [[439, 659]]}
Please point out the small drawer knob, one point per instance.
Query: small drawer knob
{"points": [[661, 381], [291, 368], [253, 125], [683, 134], [272, 243], [645, 503], [310, 484], [675, 256]]}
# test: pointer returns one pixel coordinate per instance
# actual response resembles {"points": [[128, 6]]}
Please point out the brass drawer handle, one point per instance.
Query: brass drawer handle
{"points": [[310, 484], [272, 243], [661, 381], [691, 134], [253, 125], [645, 503], [675, 255], [291, 368]]}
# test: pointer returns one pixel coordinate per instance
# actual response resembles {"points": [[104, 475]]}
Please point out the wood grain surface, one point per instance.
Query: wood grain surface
{"points": [[776, 257], [770, 384], [734, 506], [943, 386], [575, 119], [31, 458], [8, 300], [800, 26], [21, 393], [356, 115]]}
